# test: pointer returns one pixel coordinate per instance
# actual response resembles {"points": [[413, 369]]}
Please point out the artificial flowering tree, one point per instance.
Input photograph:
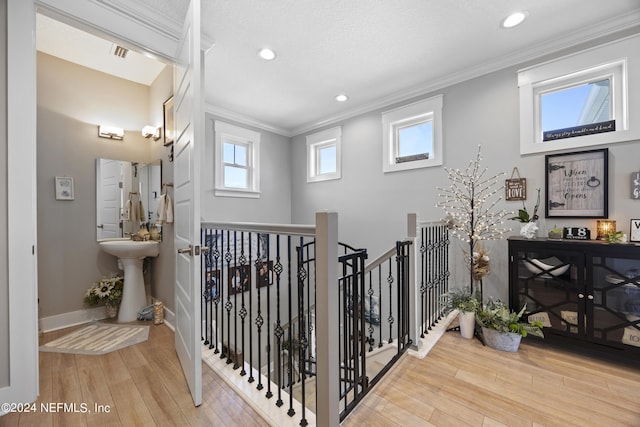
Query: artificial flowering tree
{"points": [[471, 204]]}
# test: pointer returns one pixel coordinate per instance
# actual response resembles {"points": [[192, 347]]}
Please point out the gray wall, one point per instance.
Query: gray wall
{"points": [[372, 206], [274, 204], [72, 101], [4, 280]]}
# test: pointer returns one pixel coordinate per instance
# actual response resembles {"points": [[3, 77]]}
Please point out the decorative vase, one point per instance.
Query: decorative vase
{"points": [[529, 230], [503, 341], [467, 321], [112, 310]]}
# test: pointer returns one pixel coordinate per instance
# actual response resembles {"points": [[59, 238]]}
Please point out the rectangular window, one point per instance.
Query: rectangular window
{"points": [[323, 155], [412, 136], [582, 99], [237, 167]]}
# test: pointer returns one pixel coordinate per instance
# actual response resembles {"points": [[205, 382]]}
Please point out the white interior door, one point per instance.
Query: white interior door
{"points": [[108, 197], [22, 386], [189, 131]]}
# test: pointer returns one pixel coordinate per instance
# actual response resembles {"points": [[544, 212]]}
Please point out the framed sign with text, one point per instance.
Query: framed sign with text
{"points": [[577, 184], [634, 235]]}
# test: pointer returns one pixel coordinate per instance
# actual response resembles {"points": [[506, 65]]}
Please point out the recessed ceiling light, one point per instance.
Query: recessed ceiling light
{"points": [[341, 98], [514, 19], [267, 54]]}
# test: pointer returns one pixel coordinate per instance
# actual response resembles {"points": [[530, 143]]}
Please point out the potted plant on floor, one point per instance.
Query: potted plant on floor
{"points": [[502, 329], [107, 291], [467, 304]]}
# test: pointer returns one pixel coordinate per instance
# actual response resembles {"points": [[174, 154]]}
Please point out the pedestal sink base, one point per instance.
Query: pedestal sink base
{"points": [[133, 294]]}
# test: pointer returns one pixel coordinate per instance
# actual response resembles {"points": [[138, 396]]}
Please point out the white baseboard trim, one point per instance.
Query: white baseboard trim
{"points": [[73, 318], [426, 344], [80, 317]]}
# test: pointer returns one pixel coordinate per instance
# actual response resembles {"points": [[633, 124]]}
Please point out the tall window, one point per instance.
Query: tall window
{"points": [[323, 155], [237, 153], [412, 136]]}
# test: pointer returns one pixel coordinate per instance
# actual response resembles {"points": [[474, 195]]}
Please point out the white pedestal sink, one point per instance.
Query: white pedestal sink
{"points": [[130, 255]]}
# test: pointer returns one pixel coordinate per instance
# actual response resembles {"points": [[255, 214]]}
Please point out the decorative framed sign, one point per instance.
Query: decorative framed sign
{"points": [[64, 188], [635, 185], [634, 235], [515, 188], [167, 109], [576, 184]]}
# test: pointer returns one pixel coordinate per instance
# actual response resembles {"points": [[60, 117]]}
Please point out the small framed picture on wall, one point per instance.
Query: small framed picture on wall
{"points": [[64, 188], [634, 235]]}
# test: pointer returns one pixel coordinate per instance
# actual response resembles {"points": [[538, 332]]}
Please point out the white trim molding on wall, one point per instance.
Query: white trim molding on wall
{"points": [[617, 61]]}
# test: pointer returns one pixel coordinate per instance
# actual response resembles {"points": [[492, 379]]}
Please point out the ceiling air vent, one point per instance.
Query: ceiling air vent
{"points": [[119, 51]]}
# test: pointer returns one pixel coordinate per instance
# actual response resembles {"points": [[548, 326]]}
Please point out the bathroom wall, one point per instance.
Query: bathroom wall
{"points": [[72, 101], [4, 280], [372, 206]]}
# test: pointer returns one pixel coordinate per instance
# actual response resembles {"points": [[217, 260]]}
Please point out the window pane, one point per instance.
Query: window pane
{"points": [[241, 155], [327, 160], [234, 153], [576, 106], [228, 153], [235, 177], [416, 139]]}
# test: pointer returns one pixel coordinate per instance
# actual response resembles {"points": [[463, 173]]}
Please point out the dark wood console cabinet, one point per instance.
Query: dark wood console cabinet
{"points": [[584, 292]]}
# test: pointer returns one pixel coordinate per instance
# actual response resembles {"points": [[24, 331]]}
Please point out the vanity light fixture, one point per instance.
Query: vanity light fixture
{"points": [[514, 19], [267, 54], [151, 132], [110, 132], [342, 97]]}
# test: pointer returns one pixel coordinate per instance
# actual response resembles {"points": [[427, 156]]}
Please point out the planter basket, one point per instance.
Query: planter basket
{"points": [[504, 341]]}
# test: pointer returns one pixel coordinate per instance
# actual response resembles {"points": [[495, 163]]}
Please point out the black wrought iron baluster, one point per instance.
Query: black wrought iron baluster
{"points": [[217, 289], [302, 340], [244, 283], [278, 331], [380, 308], [259, 263], [424, 309], [226, 345], [204, 285], [372, 313], [390, 319], [290, 337], [249, 264], [269, 393]]}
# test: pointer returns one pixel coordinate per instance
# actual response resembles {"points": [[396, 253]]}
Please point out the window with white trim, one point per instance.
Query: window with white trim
{"points": [[237, 153], [582, 99], [323, 155], [412, 136]]}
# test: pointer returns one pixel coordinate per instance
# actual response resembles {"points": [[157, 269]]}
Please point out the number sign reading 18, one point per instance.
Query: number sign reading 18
{"points": [[576, 233]]}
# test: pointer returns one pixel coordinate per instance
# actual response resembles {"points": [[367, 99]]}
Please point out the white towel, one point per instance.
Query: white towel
{"points": [[164, 212]]}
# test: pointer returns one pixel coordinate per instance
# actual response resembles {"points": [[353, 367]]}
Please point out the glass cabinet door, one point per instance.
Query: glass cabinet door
{"points": [[615, 297], [550, 281]]}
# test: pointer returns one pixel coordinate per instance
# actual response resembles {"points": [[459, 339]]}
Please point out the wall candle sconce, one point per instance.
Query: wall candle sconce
{"points": [[605, 227], [110, 132], [151, 132]]}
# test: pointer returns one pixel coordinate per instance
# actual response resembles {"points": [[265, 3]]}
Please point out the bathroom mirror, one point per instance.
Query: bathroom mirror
{"points": [[126, 196]]}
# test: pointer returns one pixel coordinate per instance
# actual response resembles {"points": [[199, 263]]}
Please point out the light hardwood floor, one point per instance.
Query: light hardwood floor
{"points": [[459, 383], [142, 385]]}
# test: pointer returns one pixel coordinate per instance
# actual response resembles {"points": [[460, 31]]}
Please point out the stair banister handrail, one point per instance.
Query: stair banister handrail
{"points": [[305, 230]]}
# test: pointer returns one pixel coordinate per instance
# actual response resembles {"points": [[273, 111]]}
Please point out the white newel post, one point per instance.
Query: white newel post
{"points": [[327, 334], [414, 289]]}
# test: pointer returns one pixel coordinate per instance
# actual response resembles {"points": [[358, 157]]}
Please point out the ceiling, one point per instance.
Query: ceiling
{"points": [[375, 51]]}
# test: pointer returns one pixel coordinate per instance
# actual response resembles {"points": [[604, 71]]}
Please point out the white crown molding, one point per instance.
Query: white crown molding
{"points": [[163, 23], [604, 29], [249, 121]]}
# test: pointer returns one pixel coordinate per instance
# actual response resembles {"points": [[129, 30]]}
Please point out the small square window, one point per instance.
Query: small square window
{"points": [[323, 155], [412, 136]]}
